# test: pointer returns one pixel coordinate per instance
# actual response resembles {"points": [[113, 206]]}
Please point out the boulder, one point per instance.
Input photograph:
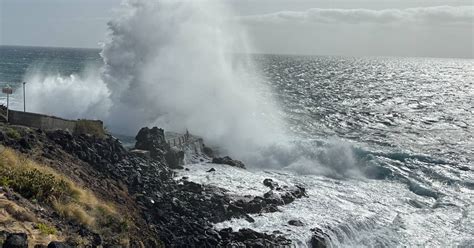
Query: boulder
{"points": [[270, 183], [174, 158], [228, 161], [295, 223], [152, 140], [16, 240], [318, 240], [56, 244]]}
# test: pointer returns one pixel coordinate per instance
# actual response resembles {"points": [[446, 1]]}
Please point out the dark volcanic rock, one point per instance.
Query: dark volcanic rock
{"points": [[177, 212], [249, 238], [174, 158], [228, 161], [16, 240], [207, 151], [295, 223], [318, 240], [152, 140], [270, 183], [56, 244]]}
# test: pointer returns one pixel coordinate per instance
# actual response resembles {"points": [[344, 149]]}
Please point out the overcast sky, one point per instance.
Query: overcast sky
{"points": [[325, 27]]}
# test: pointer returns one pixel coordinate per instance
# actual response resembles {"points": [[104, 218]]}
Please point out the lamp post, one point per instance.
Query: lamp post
{"points": [[24, 97], [7, 90]]}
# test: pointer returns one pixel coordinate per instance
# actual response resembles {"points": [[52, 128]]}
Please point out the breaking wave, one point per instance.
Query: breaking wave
{"points": [[182, 65]]}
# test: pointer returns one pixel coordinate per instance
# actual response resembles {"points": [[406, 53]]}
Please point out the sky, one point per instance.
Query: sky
{"points": [[421, 28]]}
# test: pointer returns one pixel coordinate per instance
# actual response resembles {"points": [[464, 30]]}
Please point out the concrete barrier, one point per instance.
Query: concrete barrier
{"points": [[40, 121], [50, 123]]}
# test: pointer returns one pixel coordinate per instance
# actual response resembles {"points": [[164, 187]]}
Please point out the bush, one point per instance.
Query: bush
{"points": [[13, 134], [32, 184], [46, 230], [35, 181]]}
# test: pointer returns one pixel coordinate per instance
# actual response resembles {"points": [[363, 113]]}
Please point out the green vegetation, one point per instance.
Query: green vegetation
{"points": [[46, 230], [38, 182], [33, 184], [90, 127], [12, 133]]}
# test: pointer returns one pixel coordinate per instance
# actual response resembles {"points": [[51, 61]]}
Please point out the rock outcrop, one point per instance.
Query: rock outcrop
{"points": [[164, 211], [228, 161], [152, 140]]}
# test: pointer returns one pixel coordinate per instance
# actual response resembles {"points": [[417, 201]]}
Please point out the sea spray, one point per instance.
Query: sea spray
{"points": [[68, 96], [174, 64], [183, 65]]}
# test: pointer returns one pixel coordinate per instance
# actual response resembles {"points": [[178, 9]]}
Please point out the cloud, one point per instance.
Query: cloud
{"points": [[448, 15]]}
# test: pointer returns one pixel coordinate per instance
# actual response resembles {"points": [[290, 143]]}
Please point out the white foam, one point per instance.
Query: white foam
{"points": [[354, 213]]}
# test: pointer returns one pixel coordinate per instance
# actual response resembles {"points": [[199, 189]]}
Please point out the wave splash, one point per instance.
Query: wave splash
{"points": [[173, 64]]}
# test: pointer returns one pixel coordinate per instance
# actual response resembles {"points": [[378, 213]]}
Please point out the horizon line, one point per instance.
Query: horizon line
{"points": [[261, 53]]}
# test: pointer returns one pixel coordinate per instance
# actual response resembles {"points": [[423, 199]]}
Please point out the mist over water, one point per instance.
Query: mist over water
{"points": [[174, 65]]}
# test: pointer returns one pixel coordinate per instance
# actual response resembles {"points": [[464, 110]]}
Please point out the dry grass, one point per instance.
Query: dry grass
{"points": [[41, 183], [18, 214]]}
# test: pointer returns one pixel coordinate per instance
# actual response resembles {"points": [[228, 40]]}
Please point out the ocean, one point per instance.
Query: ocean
{"points": [[384, 146]]}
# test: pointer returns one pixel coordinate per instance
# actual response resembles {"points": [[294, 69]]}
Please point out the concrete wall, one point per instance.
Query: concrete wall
{"points": [[43, 122], [49, 123]]}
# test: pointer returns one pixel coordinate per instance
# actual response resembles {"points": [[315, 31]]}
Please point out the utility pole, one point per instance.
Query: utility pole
{"points": [[24, 97]]}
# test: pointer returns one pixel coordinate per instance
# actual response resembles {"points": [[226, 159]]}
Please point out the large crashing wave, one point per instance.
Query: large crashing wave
{"points": [[177, 64], [174, 64]]}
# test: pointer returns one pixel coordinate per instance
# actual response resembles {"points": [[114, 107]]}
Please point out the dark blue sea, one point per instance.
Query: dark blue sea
{"points": [[408, 122]]}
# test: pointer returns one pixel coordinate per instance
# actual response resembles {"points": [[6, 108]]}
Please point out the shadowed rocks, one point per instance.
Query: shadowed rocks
{"points": [[228, 161]]}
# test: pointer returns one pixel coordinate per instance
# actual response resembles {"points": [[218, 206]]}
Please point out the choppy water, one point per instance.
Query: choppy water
{"points": [[405, 123]]}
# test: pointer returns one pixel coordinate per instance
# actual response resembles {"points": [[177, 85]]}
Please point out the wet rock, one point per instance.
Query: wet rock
{"points": [[249, 238], [228, 161], [270, 183], [193, 187], [207, 151], [16, 240], [318, 240], [295, 223]]}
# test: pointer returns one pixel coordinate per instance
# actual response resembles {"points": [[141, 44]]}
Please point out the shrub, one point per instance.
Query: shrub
{"points": [[12, 133], [35, 181], [46, 230]]}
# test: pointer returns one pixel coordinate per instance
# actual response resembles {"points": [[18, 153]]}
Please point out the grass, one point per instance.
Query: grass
{"points": [[90, 127], [43, 184], [46, 229], [18, 214], [12, 133]]}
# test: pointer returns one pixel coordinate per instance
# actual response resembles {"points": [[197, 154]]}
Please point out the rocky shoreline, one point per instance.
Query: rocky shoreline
{"points": [[161, 211]]}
